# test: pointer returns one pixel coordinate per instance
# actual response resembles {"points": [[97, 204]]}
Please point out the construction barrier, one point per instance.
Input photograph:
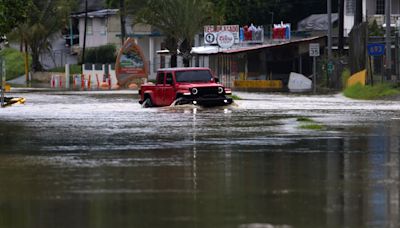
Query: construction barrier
{"points": [[56, 81], [83, 81]]}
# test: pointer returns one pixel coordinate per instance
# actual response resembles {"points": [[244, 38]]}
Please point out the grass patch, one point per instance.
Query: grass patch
{"points": [[304, 119], [235, 97], [316, 127], [74, 69], [378, 91], [309, 124], [15, 63]]}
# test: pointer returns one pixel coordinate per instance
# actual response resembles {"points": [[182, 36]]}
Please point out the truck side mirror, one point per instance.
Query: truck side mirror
{"points": [[216, 80]]}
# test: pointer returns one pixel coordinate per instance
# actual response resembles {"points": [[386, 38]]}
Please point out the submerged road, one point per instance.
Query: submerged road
{"points": [[97, 159]]}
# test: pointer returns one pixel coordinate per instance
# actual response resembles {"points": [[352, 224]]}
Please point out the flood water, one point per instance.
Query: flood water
{"points": [[97, 159]]}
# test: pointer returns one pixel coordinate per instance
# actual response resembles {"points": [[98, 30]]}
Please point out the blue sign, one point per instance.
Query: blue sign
{"points": [[376, 49]]}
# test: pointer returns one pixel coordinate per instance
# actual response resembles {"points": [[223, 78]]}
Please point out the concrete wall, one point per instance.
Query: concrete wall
{"points": [[114, 29], [45, 77], [97, 37], [150, 45]]}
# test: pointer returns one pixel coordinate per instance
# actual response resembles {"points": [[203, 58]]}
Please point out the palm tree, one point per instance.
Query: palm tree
{"points": [[179, 20], [45, 19]]}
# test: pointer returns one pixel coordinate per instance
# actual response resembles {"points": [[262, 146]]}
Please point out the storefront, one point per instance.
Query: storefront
{"points": [[264, 66]]}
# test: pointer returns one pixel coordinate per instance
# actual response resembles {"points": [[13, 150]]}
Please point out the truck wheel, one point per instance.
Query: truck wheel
{"points": [[177, 101], [147, 103]]}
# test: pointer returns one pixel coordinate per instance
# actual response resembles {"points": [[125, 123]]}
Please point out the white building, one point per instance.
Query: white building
{"points": [[104, 27], [372, 10]]}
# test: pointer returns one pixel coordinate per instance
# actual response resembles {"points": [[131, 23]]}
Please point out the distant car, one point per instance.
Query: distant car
{"points": [[180, 86]]}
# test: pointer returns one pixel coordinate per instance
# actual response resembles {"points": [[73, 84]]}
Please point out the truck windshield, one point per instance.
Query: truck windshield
{"points": [[193, 76]]}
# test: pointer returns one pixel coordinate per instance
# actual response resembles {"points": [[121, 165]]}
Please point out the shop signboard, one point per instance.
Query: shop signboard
{"points": [[130, 63], [225, 39], [211, 33]]}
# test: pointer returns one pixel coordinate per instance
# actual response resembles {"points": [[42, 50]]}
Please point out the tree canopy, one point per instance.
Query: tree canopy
{"points": [[12, 12], [179, 20], [44, 19]]}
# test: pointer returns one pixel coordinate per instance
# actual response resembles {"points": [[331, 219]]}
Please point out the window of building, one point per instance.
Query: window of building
{"points": [[350, 7], [89, 28], [103, 26], [380, 6]]}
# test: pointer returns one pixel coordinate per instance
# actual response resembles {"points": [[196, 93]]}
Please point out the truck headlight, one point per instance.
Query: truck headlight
{"points": [[195, 91], [220, 90]]}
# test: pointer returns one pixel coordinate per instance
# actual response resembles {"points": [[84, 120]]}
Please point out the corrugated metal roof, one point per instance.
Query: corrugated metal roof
{"points": [[209, 50], [98, 13], [316, 22]]}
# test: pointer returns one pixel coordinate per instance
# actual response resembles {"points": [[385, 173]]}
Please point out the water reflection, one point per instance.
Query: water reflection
{"points": [[123, 166]]}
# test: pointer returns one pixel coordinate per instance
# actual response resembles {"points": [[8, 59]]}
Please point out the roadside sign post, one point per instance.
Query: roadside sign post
{"points": [[314, 52], [374, 49]]}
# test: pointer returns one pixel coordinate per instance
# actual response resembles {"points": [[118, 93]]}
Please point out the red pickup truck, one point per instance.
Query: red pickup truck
{"points": [[193, 85]]}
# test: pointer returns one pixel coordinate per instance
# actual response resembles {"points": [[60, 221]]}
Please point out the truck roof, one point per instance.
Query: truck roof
{"points": [[183, 68]]}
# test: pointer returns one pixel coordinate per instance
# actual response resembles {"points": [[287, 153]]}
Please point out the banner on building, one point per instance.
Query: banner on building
{"points": [[281, 31], [211, 33], [251, 34]]}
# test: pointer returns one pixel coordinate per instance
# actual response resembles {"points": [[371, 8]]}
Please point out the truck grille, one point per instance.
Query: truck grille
{"points": [[206, 91]]}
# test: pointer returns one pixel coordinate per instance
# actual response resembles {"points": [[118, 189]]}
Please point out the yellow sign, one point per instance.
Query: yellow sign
{"points": [[258, 84], [359, 77]]}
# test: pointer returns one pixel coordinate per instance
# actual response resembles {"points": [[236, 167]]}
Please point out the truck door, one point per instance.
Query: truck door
{"points": [[158, 91], [169, 89]]}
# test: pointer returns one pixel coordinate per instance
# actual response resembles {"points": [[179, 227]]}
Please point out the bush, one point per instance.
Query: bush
{"points": [[103, 54], [361, 92], [346, 74], [74, 69], [15, 63]]}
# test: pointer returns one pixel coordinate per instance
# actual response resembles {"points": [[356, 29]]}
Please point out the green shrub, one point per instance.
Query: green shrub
{"points": [[235, 97], [15, 62], [346, 74], [361, 92], [103, 54], [74, 69]]}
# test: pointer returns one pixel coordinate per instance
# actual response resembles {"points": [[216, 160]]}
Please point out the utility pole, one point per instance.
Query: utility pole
{"points": [[329, 66], [2, 81], [26, 60], [329, 8], [84, 32], [388, 69], [359, 13], [341, 27], [122, 19], [272, 25]]}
